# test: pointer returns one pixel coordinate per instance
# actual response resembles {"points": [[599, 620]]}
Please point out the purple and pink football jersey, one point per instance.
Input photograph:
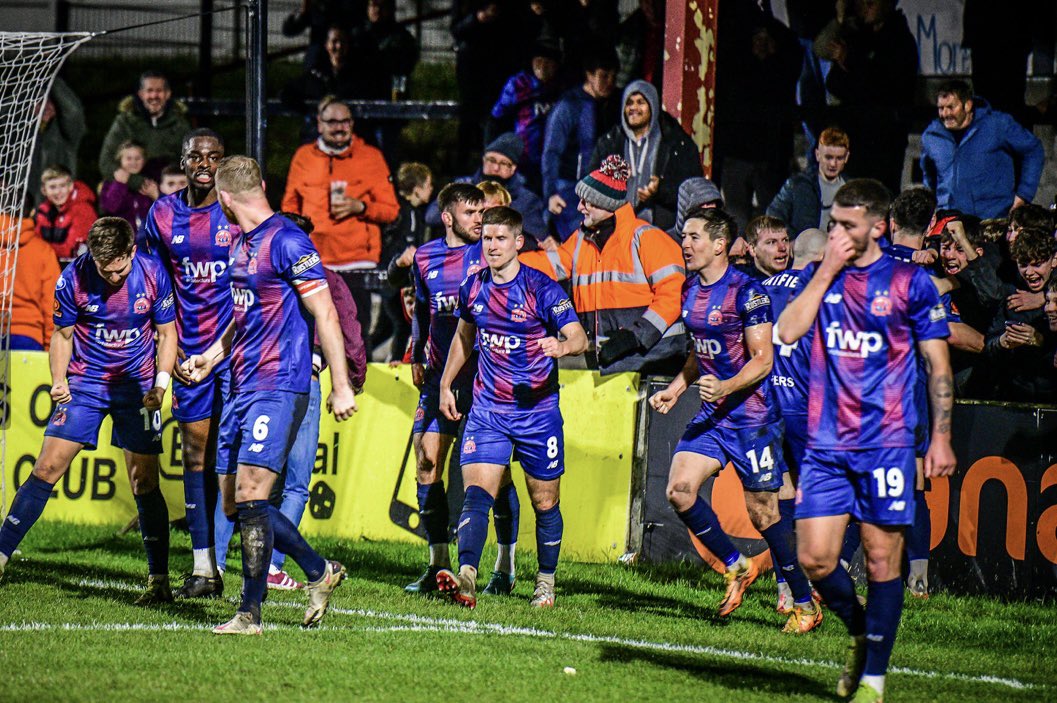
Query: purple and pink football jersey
{"points": [[717, 316], [789, 375], [513, 372], [272, 267], [864, 357], [438, 272], [194, 245], [113, 328]]}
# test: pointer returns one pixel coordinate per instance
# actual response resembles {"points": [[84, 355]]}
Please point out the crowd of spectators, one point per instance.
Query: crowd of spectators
{"points": [[549, 92]]}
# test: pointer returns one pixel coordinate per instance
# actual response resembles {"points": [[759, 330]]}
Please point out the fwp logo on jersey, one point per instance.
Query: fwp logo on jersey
{"points": [[842, 342], [708, 348], [202, 271], [114, 339], [243, 298], [446, 303], [500, 343]]}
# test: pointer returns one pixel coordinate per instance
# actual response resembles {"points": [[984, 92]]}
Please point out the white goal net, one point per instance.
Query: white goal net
{"points": [[28, 65]]}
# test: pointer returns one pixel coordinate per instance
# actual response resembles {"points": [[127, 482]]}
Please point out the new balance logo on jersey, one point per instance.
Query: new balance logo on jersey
{"points": [[203, 271], [256, 447], [833, 298], [897, 505], [446, 303], [178, 239], [432, 274], [116, 338], [843, 342], [501, 343], [708, 348], [242, 297], [92, 308]]}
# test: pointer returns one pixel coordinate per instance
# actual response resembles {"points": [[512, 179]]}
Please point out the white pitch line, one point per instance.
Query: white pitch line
{"points": [[422, 623]]}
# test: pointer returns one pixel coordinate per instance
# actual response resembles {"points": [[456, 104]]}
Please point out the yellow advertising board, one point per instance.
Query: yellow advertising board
{"points": [[363, 483]]}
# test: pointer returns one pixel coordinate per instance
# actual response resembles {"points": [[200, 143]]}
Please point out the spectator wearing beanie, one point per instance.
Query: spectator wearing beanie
{"points": [[500, 164], [694, 193], [627, 278]]}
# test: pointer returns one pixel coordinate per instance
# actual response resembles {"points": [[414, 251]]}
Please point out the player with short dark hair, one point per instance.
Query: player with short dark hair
{"points": [[872, 317], [439, 268], [728, 316], [277, 285], [109, 304], [189, 233], [514, 315]]}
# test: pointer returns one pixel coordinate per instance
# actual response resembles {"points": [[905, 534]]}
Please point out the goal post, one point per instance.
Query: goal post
{"points": [[29, 62]]}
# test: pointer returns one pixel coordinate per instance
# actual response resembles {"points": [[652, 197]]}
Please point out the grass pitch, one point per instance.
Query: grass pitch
{"points": [[69, 631]]}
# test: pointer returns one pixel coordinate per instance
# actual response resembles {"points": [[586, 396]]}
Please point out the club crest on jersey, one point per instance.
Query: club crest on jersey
{"points": [[251, 267], [420, 414], [60, 418], [141, 305], [472, 269], [469, 446], [223, 236], [715, 317], [518, 314], [881, 305]]}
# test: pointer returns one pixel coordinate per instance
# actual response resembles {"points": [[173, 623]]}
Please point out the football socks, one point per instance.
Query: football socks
{"points": [[549, 528], [290, 542], [473, 525], [27, 506], [702, 521], [782, 542], [154, 526]]}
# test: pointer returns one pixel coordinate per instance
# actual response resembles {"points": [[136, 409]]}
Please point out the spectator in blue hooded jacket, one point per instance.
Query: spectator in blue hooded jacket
{"points": [[978, 160]]}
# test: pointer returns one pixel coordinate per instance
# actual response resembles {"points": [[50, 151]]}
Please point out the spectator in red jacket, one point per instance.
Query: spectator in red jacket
{"points": [[63, 220]]}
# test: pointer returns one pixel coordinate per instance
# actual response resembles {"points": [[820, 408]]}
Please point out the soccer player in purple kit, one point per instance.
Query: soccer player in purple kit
{"points": [[109, 303], [789, 379], [872, 317], [439, 268], [188, 231], [728, 316], [277, 284], [514, 315]]}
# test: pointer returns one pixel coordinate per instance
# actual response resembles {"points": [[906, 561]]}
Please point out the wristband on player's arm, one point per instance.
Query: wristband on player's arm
{"points": [[162, 380]]}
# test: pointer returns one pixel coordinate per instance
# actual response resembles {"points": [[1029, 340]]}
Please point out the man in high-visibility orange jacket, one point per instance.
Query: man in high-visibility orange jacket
{"points": [[626, 276]]}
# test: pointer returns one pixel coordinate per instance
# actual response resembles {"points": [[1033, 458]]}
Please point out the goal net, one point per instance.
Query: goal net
{"points": [[28, 65]]}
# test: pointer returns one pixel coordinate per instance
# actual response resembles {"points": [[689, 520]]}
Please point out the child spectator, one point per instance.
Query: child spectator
{"points": [[62, 220], [495, 195], [172, 179], [116, 198]]}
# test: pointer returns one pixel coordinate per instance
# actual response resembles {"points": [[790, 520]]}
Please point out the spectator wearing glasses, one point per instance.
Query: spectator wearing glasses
{"points": [[343, 186]]}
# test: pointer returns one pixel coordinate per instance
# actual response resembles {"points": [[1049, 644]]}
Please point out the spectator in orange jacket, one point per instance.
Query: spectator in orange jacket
{"points": [[62, 219], [343, 186], [33, 293], [627, 277]]}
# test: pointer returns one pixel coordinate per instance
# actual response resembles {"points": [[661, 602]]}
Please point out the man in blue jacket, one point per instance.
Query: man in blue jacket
{"points": [[978, 160], [573, 127]]}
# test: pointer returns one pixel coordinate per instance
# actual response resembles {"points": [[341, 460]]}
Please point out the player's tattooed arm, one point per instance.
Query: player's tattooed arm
{"points": [[461, 347], [802, 310], [757, 368], [663, 401], [940, 460], [59, 354]]}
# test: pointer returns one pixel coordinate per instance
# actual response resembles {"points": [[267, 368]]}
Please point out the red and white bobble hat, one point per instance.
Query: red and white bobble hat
{"points": [[607, 186]]}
